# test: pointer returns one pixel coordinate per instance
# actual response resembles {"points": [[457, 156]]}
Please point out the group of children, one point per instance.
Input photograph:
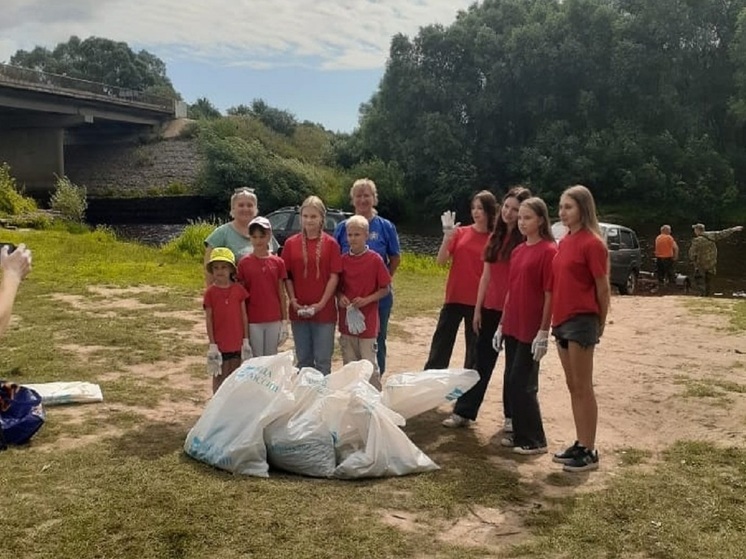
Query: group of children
{"points": [[314, 285], [514, 281], [509, 281]]}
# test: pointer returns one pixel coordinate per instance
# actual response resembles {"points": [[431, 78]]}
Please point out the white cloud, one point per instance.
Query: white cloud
{"points": [[334, 34]]}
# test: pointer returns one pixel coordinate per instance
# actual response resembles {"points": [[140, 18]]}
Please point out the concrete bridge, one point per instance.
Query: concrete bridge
{"points": [[41, 113]]}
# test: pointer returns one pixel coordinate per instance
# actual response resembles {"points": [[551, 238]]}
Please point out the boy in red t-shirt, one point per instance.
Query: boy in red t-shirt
{"points": [[263, 275], [363, 281], [225, 317]]}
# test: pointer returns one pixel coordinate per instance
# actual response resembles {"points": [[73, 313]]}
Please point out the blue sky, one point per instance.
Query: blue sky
{"points": [[319, 59]]}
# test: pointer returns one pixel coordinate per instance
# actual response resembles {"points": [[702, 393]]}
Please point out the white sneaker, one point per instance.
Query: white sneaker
{"points": [[508, 425], [455, 421], [507, 441]]}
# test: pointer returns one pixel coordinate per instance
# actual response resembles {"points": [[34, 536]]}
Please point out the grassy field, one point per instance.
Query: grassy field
{"points": [[105, 481]]}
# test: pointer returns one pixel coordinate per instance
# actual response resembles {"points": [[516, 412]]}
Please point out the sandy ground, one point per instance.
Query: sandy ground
{"points": [[653, 353], [653, 349]]}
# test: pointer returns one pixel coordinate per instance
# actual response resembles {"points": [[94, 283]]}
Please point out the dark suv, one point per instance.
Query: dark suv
{"points": [[624, 254], [286, 222]]}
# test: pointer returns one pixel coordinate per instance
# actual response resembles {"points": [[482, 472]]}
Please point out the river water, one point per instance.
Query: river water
{"points": [[731, 276]]}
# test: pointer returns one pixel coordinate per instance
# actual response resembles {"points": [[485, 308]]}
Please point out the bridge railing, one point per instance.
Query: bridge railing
{"points": [[55, 83]]}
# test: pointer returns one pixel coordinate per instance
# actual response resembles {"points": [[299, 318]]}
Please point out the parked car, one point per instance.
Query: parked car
{"points": [[624, 254], [286, 222]]}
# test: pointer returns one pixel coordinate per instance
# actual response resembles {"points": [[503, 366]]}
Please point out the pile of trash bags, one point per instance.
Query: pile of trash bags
{"points": [[336, 426]]}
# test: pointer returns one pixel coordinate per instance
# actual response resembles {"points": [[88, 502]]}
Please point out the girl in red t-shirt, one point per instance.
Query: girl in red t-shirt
{"points": [[493, 285], [263, 275], [524, 328], [462, 247], [313, 261], [225, 317], [580, 302]]}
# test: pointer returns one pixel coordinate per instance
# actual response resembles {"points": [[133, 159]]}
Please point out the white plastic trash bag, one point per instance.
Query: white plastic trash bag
{"points": [[230, 433], [56, 393], [300, 441], [383, 449], [410, 394]]}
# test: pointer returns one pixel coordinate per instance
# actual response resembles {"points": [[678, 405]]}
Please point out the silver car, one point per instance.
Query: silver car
{"points": [[624, 254]]}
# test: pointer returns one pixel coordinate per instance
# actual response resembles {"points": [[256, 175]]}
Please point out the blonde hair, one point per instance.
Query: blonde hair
{"points": [[357, 221], [317, 204], [360, 184], [244, 191], [587, 206]]}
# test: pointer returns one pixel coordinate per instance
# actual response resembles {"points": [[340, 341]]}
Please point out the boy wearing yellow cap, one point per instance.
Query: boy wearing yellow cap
{"points": [[225, 317]]}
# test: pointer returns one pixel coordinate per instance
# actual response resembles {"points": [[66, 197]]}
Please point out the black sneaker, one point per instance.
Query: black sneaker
{"points": [[584, 462], [569, 454]]}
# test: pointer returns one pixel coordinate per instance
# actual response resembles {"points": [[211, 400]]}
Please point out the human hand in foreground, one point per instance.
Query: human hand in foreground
{"points": [[17, 264]]}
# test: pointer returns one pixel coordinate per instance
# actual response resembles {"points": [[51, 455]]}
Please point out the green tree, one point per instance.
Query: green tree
{"points": [[203, 109], [642, 101], [100, 60]]}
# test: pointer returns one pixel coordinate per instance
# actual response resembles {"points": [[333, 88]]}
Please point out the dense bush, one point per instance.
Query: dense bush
{"points": [[12, 201], [233, 162], [69, 200], [191, 242]]}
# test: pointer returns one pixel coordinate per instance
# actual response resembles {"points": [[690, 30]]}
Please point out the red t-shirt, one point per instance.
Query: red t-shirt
{"points": [[497, 288], [530, 279], [261, 277], [227, 323], [308, 287], [362, 275], [466, 248], [581, 258]]}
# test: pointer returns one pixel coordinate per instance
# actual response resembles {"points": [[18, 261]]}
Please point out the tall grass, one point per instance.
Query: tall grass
{"points": [[191, 242]]}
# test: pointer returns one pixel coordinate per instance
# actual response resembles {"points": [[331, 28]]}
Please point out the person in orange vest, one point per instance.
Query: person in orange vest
{"points": [[666, 254]]}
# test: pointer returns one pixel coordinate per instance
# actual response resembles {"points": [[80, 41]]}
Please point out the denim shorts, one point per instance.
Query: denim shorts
{"points": [[581, 329]]}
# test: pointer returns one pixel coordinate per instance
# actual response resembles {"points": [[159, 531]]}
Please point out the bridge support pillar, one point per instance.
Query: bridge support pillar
{"points": [[35, 156]]}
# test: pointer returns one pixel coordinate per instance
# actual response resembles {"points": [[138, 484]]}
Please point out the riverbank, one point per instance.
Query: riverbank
{"points": [[111, 480]]}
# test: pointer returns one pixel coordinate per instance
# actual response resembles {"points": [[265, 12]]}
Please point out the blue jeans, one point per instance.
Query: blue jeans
{"points": [[314, 344], [384, 312]]}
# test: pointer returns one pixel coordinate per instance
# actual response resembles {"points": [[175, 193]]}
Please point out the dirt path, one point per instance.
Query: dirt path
{"points": [[655, 367]]}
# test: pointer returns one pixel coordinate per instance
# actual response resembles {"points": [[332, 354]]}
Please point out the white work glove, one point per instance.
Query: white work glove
{"points": [[497, 339], [284, 333], [448, 221], [355, 321], [214, 361], [540, 344], [306, 312], [246, 352]]}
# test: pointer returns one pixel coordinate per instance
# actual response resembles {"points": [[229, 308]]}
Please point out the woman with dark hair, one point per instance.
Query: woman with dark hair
{"points": [[463, 248], [493, 286]]}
